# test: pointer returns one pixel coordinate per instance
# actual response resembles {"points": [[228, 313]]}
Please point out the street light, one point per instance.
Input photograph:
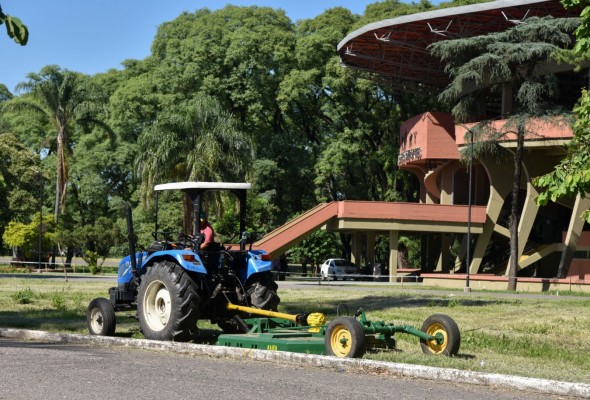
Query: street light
{"points": [[468, 258], [40, 250]]}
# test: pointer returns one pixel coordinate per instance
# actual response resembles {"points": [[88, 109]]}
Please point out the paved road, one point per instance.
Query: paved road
{"points": [[50, 371]]}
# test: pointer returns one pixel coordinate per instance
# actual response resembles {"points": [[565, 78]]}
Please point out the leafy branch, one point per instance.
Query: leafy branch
{"points": [[15, 28]]}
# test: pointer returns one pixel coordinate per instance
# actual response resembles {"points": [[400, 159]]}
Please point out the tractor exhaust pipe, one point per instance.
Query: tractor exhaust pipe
{"points": [[132, 239]]}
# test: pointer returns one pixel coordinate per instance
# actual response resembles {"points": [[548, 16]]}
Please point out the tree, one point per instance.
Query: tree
{"points": [[20, 181], [24, 237], [572, 175], [60, 99], [240, 56], [15, 29], [481, 64], [319, 246], [349, 122], [393, 8], [196, 140]]}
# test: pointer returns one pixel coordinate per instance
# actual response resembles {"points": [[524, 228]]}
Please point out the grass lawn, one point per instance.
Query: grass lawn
{"points": [[532, 337]]}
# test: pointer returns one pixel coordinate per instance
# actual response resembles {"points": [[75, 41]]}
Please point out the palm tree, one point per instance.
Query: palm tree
{"points": [[197, 140], [60, 98]]}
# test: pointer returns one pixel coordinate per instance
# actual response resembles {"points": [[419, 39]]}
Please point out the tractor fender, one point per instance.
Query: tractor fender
{"points": [[187, 259], [258, 262]]}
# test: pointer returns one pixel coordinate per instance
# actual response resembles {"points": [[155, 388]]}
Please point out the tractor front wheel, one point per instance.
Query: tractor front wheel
{"points": [[100, 317], [167, 303], [446, 332], [345, 337]]}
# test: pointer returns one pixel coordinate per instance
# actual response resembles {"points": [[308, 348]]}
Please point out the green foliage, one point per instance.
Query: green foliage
{"points": [[411, 246], [240, 93], [20, 181], [582, 46], [25, 236], [571, 176], [393, 8], [62, 101], [489, 63], [15, 29], [319, 246], [58, 299], [4, 93], [91, 257], [23, 296]]}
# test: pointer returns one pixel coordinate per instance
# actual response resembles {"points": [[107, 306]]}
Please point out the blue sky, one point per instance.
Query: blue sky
{"points": [[93, 36]]}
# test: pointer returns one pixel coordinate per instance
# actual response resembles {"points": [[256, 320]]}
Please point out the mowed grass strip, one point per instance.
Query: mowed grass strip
{"points": [[532, 337]]}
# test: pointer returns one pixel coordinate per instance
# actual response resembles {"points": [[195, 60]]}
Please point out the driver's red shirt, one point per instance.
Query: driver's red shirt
{"points": [[209, 233]]}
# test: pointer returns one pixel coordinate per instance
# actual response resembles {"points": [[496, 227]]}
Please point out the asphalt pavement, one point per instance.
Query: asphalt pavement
{"points": [[353, 366], [508, 382]]}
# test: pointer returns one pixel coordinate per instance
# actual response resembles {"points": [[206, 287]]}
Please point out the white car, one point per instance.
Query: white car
{"points": [[337, 268]]}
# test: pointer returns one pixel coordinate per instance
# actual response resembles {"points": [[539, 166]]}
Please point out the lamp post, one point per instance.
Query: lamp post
{"points": [[40, 249], [468, 258]]}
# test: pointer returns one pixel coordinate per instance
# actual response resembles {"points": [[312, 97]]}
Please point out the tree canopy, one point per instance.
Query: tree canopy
{"points": [[572, 175], [239, 93]]}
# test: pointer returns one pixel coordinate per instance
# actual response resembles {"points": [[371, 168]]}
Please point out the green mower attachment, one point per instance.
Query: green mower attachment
{"points": [[345, 336]]}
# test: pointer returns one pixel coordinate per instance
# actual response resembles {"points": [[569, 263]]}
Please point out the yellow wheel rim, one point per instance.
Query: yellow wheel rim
{"points": [[341, 341], [436, 329]]}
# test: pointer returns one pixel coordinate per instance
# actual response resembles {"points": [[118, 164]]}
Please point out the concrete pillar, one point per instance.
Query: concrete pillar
{"points": [[424, 252], [442, 264], [527, 219], [574, 231], [500, 187], [357, 248], [462, 254], [447, 183], [393, 243], [371, 248]]}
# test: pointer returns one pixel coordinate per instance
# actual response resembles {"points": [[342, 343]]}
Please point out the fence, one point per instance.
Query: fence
{"points": [[6, 264]]}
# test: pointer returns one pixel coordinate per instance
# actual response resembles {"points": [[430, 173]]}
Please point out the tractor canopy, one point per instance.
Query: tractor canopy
{"points": [[195, 191]]}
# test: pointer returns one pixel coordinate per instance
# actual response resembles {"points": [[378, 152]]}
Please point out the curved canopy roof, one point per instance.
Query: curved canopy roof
{"points": [[396, 48]]}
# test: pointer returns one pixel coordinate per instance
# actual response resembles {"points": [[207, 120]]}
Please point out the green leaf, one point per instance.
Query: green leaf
{"points": [[17, 30]]}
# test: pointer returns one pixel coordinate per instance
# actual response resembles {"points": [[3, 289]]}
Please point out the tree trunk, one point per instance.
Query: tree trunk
{"points": [[514, 217], [61, 174], [188, 220]]}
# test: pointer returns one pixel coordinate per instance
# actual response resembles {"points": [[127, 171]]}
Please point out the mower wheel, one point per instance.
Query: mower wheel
{"points": [[345, 337], [100, 317], [445, 328]]}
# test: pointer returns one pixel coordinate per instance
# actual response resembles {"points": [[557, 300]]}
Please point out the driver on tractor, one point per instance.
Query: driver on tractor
{"points": [[206, 230]]}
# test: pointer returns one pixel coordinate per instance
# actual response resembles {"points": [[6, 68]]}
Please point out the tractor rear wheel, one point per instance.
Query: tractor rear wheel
{"points": [[345, 337], [100, 317], [445, 328], [262, 291], [167, 303]]}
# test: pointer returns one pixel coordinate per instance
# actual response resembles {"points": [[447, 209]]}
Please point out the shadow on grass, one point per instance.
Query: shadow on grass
{"points": [[65, 321], [51, 320], [376, 303]]}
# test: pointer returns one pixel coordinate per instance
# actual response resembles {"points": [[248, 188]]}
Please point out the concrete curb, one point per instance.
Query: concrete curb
{"points": [[346, 364]]}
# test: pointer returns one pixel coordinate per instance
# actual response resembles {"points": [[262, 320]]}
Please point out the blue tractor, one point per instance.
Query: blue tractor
{"points": [[174, 282]]}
